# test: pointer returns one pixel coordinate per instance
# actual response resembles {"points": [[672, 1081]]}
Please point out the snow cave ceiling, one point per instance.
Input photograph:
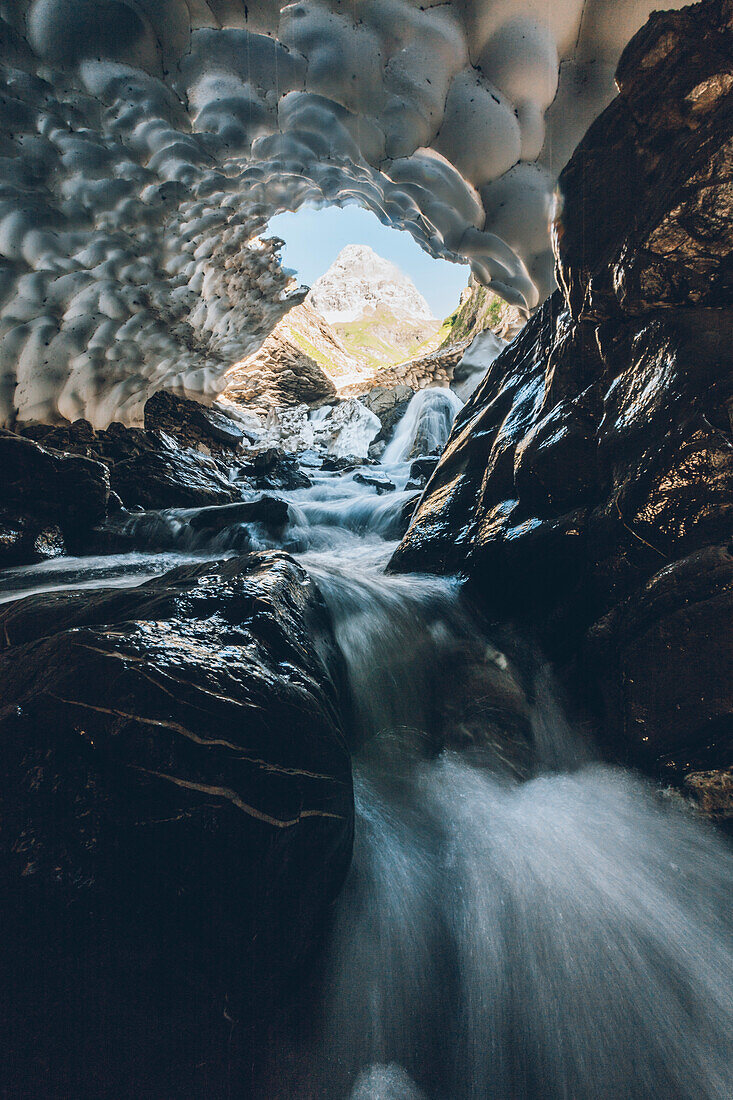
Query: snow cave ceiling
{"points": [[144, 145]]}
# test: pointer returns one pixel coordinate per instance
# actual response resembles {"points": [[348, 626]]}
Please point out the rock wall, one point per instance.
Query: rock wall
{"points": [[587, 488]]}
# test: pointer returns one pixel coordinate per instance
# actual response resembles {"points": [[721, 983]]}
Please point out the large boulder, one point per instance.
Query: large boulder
{"points": [[171, 478], [42, 489], [587, 488], [669, 648], [177, 818], [190, 423]]}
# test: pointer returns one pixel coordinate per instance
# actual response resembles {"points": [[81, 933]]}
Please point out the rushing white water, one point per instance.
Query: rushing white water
{"points": [[566, 934], [562, 937], [425, 427], [521, 921]]}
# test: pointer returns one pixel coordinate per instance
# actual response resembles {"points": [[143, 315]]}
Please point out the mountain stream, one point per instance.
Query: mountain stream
{"points": [[522, 921]]}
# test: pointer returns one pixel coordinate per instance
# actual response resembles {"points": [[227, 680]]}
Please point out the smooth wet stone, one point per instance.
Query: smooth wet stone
{"points": [[191, 423], [270, 511], [43, 488], [664, 658], [25, 540], [421, 470], [423, 467], [171, 478], [342, 463], [177, 813], [377, 481]]}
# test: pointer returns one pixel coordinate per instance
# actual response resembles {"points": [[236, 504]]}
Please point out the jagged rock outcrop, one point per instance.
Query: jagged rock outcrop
{"points": [[433, 369], [479, 309], [389, 404], [587, 488], [288, 369], [177, 816]]}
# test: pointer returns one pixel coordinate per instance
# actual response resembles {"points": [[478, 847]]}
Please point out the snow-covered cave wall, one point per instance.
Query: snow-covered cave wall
{"points": [[144, 144]]}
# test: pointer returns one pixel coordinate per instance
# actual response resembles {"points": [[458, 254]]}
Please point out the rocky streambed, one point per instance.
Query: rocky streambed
{"points": [[293, 803], [278, 822]]}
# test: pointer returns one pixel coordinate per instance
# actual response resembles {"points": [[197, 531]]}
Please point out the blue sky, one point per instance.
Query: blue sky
{"points": [[313, 239]]}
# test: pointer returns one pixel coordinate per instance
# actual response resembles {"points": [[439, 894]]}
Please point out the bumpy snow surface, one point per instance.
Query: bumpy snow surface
{"points": [[145, 144], [359, 279]]}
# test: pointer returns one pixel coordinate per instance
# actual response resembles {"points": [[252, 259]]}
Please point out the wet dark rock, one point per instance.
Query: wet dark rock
{"points": [[555, 464], [190, 423], [170, 478], [389, 404], [422, 469], [78, 437], [377, 481], [341, 463], [269, 511], [712, 792], [587, 487], [114, 504], [271, 468], [664, 660], [43, 488], [177, 817], [117, 443], [662, 237], [25, 540]]}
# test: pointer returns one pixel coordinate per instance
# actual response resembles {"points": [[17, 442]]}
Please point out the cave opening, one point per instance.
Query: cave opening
{"points": [[365, 662], [377, 303]]}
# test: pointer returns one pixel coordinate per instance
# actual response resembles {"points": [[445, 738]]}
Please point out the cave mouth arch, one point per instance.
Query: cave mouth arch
{"points": [[146, 145]]}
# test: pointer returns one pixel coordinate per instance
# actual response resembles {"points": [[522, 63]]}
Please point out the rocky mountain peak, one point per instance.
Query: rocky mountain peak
{"points": [[358, 282]]}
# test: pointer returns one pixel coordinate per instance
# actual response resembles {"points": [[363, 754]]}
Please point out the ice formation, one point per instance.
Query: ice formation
{"points": [[146, 143]]}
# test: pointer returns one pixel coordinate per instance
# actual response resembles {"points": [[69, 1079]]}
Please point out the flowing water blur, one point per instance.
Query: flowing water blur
{"points": [[521, 921], [562, 935]]}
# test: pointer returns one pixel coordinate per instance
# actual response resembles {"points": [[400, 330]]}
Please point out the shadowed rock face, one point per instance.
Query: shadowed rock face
{"points": [[43, 489], [280, 374], [587, 487], [190, 423], [177, 815]]}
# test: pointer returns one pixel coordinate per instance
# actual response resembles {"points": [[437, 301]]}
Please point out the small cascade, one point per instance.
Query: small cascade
{"points": [[425, 427], [537, 925], [562, 937]]}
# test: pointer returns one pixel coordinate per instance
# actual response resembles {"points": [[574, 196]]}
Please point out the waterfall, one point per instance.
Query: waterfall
{"points": [[425, 427], [557, 930]]}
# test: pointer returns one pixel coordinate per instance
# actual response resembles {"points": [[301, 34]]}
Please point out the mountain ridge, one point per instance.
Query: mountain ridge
{"points": [[360, 279]]}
